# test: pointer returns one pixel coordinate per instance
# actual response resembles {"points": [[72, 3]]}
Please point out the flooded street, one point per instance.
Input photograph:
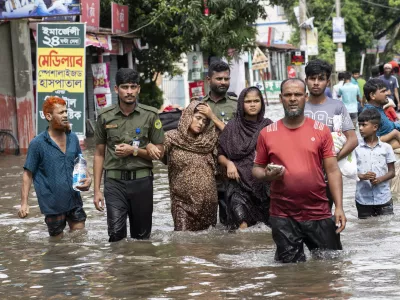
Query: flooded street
{"points": [[213, 264]]}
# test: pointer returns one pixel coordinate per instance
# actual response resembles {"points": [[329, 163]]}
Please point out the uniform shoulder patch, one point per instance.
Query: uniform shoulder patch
{"points": [[232, 98], [106, 109], [157, 124], [148, 108]]}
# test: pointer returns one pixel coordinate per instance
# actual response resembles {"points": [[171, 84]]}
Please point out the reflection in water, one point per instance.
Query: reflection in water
{"points": [[212, 264]]}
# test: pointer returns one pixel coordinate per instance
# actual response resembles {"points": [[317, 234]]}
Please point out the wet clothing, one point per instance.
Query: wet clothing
{"points": [[386, 126], [52, 173], [191, 173], [128, 187], [246, 200], [290, 236], [301, 193], [225, 110], [366, 211], [132, 198], [324, 113], [113, 128], [375, 160], [57, 223]]}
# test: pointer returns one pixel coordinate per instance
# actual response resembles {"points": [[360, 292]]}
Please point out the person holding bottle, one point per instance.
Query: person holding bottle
{"points": [[50, 164], [128, 136]]}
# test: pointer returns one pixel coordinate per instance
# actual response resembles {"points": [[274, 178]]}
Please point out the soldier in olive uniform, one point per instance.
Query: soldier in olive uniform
{"points": [[128, 137], [220, 108]]}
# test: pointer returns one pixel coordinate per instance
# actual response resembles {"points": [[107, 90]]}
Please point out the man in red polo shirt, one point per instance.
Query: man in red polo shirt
{"points": [[299, 211]]}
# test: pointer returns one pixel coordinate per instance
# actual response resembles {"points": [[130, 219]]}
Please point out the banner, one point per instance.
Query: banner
{"points": [[195, 65], [340, 61], [338, 31], [91, 14], [272, 89], [17, 9], [120, 18], [196, 89], [312, 41], [61, 71], [101, 84], [291, 71], [297, 58], [259, 61]]}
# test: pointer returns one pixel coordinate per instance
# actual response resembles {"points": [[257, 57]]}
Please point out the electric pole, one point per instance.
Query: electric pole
{"points": [[339, 45], [303, 32]]}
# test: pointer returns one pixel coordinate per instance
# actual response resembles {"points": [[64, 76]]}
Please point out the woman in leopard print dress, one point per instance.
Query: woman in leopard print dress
{"points": [[191, 156]]}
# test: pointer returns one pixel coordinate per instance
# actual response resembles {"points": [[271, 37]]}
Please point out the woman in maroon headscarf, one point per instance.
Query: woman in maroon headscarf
{"points": [[191, 156], [247, 199]]}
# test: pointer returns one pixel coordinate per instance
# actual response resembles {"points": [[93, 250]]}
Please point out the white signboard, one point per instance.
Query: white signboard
{"points": [[340, 61], [338, 31]]}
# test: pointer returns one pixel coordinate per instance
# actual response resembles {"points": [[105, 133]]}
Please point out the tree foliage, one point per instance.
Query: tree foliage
{"points": [[173, 27], [363, 21]]}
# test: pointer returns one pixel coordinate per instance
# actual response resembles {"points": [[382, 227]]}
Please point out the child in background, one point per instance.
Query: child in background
{"points": [[390, 111], [375, 166], [376, 92]]}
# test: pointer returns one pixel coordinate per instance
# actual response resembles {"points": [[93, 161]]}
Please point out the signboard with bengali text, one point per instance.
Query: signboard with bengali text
{"points": [[91, 14], [120, 18], [61, 71]]}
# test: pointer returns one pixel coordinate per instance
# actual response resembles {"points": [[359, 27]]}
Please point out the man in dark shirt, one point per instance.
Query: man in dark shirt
{"points": [[50, 164]]}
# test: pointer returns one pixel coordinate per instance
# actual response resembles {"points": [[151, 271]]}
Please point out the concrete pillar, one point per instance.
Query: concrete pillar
{"points": [[22, 62]]}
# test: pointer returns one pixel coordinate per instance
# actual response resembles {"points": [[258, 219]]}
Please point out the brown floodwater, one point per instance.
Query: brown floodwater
{"points": [[213, 264]]}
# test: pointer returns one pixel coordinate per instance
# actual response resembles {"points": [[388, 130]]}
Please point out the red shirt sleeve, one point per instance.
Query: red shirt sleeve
{"points": [[328, 149], [261, 157], [391, 114]]}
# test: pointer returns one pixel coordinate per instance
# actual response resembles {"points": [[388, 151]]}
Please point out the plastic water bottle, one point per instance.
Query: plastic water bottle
{"points": [[79, 171]]}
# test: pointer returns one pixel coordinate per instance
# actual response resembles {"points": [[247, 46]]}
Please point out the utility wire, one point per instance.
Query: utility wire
{"points": [[380, 5], [140, 28], [327, 19]]}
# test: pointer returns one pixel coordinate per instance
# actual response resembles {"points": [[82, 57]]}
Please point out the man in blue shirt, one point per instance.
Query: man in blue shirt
{"points": [[350, 94], [376, 92], [50, 164]]}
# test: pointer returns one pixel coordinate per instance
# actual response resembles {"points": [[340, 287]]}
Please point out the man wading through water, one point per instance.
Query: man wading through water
{"points": [[323, 109], [299, 209], [220, 108], [128, 137]]}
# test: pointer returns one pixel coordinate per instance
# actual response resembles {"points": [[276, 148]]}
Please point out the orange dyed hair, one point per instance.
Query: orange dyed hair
{"points": [[48, 105]]}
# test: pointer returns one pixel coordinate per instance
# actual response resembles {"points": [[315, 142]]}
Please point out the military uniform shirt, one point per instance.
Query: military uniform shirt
{"points": [[113, 128], [224, 109]]}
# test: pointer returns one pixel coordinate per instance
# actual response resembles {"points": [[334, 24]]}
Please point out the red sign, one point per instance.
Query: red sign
{"points": [[91, 14], [196, 89], [120, 18], [291, 71], [297, 58]]}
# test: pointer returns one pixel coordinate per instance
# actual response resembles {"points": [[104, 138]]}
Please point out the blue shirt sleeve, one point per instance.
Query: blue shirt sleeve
{"points": [[33, 157]]}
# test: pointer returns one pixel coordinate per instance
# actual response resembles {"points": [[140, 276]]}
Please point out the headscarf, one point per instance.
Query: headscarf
{"points": [[239, 139], [201, 143]]}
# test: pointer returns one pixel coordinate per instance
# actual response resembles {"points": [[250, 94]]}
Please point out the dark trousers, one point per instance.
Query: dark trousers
{"points": [[132, 198], [222, 206], [290, 236], [366, 211]]}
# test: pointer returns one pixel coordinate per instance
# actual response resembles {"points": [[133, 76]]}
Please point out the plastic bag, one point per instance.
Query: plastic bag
{"points": [[347, 165]]}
